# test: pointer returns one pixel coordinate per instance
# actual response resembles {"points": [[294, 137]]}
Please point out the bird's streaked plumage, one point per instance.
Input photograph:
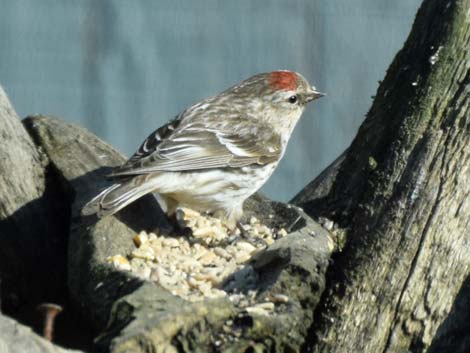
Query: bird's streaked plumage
{"points": [[216, 153]]}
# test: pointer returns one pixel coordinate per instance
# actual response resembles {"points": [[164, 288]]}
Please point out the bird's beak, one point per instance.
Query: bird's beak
{"points": [[313, 94]]}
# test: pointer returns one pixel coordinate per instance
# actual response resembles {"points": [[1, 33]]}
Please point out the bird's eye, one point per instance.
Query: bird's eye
{"points": [[293, 99]]}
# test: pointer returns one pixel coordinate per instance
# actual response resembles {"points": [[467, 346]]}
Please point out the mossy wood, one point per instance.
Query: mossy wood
{"points": [[401, 199]]}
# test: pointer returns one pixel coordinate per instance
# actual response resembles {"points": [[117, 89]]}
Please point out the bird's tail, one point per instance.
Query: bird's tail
{"points": [[118, 196]]}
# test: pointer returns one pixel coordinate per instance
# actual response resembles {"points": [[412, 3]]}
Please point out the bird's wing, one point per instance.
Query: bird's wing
{"points": [[204, 145]]}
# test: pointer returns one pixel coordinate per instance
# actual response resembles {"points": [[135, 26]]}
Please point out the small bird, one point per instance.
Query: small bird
{"points": [[216, 153]]}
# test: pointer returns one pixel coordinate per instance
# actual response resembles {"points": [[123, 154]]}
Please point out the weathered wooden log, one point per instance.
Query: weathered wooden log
{"points": [[141, 316], [32, 233], [401, 198], [34, 222]]}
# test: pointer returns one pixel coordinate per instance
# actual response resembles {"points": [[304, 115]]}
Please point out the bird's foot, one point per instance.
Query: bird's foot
{"points": [[245, 234]]}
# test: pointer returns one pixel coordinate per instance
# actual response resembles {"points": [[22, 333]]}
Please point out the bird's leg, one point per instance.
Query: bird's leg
{"points": [[245, 234], [177, 228], [243, 230]]}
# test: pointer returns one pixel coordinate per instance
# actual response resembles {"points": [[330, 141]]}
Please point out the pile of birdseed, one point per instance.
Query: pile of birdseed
{"points": [[206, 264]]}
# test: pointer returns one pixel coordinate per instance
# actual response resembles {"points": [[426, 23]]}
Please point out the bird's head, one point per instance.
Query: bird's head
{"points": [[278, 96], [283, 89], [289, 90]]}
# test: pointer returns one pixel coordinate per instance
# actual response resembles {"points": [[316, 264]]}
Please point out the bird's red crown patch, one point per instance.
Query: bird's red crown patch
{"points": [[283, 80]]}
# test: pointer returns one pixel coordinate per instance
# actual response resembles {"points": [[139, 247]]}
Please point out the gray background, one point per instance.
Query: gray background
{"points": [[122, 68]]}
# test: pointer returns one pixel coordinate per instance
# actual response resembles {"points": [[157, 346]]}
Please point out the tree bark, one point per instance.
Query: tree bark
{"points": [[401, 199], [32, 248], [34, 224]]}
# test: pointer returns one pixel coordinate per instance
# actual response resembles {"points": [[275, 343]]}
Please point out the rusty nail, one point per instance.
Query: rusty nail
{"points": [[49, 312]]}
